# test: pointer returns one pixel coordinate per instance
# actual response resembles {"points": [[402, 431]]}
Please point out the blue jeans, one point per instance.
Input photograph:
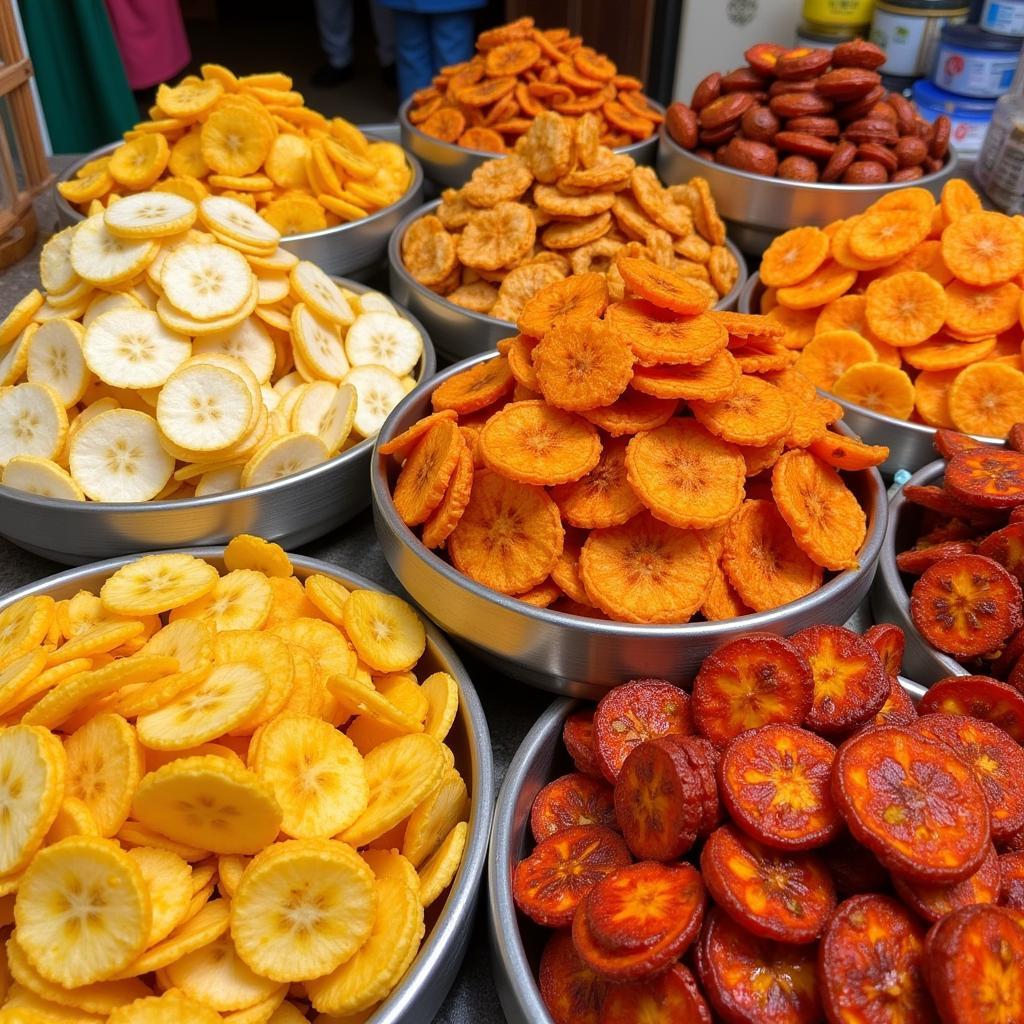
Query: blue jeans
{"points": [[425, 43]]}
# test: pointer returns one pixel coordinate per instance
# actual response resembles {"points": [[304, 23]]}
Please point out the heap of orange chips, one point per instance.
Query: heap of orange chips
{"points": [[911, 309], [520, 72], [644, 460], [252, 138]]}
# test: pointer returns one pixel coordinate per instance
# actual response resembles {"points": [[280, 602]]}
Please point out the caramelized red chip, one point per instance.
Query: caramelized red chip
{"points": [[750, 682], [996, 760], [934, 902], [889, 642], [850, 684], [966, 605], [975, 966], [940, 500], [641, 709], [871, 964], [1011, 879], [636, 921], [915, 561], [755, 981], [948, 443], [913, 803], [578, 737], [898, 708], [571, 991], [1006, 546], [671, 998], [572, 800], [549, 884], [782, 895], [987, 477], [854, 869], [775, 785], [981, 697]]}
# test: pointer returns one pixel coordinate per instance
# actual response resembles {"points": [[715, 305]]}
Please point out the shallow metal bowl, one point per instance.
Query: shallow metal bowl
{"points": [[911, 445], [570, 654], [449, 922], [890, 599], [458, 332], [292, 511], [756, 208], [516, 942], [450, 166], [351, 248]]}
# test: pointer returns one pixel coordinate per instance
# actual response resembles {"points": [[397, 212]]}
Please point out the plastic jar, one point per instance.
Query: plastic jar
{"points": [[1000, 165], [908, 31], [969, 118], [1005, 17], [839, 13], [819, 36], [974, 63]]}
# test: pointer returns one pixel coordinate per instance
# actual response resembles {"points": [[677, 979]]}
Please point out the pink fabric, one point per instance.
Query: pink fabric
{"points": [[151, 37]]}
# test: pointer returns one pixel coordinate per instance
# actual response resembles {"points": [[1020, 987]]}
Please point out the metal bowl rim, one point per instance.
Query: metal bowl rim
{"points": [[353, 454], [422, 136], [815, 186], [383, 503], [331, 233], [486, 321], [454, 915]]}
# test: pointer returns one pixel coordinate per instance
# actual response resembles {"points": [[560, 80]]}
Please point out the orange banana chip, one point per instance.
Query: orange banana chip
{"points": [[580, 297], [603, 497], [475, 388], [632, 412], [794, 256], [905, 309], [446, 516], [583, 365], [984, 248], [425, 474], [659, 336], [848, 453], [666, 289], [756, 413], [712, 381], [828, 282]]}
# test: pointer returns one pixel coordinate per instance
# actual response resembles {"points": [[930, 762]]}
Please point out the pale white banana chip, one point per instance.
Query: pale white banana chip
{"points": [[279, 261], [14, 358], [41, 476], [286, 383], [374, 302], [308, 411], [204, 407], [383, 339], [273, 288], [317, 345], [336, 422], [184, 324], [220, 481], [150, 215], [55, 270], [105, 259], [55, 358], [107, 302], [207, 282], [132, 348], [283, 456], [249, 341], [320, 293], [234, 219], [33, 421], [74, 296], [378, 391]]}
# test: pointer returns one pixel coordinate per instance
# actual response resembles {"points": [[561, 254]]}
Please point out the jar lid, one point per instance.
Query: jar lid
{"points": [[928, 95], [973, 38], [925, 7]]}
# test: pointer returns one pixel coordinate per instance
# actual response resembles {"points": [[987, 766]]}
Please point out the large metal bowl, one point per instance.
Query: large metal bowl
{"points": [[756, 208], [911, 445], [890, 600], [292, 511], [449, 922], [516, 942], [353, 248], [458, 332], [450, 166], [570, 654]]}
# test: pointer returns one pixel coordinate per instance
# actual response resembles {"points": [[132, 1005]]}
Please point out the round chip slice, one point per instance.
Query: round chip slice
{"points": [[378, 391], [103, 258], [282, 456], [206, 282], [41, 476], [386, 631], [321, 294], [204, 407], [248, 341], [132, 348], [55, 359], [169, 881], [33, 421], [383, 339], [157, 583], [150, 215], [234, 219]]}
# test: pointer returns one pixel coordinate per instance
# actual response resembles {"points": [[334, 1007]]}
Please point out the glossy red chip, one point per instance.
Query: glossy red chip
{"points": [[750, 682], [870, 964], [671, 998], [1011, 879], [934, 902], [948, 443], [642, 709], [774, 894], [889, 642], [575, 799], [578, 737], [987, 477], [1006, 546], [775, 785], [898, 708], [915, 561], [571, 991], [980, 697], [913, 803]]}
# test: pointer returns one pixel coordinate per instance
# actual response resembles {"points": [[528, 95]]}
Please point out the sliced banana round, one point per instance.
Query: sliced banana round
{"points": [[234, 219], [384, 339], [374, 302], [308, 411], [378, 391], [249, 341], [103, 258], [117, 456], [14, 358], [220, 481], [235, 365], [273, 288], [204, 407], [74, 296], [271, 399], [320, 293], [287, 383], [55, 359], [150, 215], [41, 476], [318, 345], [279, 261], [336, 422], [21, 316], [33, 421], [107, 302], [283, 456], [207, 282], [184, 324], [55, 270], [132, 348]]}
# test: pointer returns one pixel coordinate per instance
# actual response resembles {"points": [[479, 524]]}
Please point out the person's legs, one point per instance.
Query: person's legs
{"points": [[334, 19], [384, 30], [451, 38], [412, 39]]}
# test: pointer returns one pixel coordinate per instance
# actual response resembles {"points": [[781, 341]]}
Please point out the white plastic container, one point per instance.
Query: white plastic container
{"points": [[974, 63], [969, 118], [1004, 17], [908, 31]]}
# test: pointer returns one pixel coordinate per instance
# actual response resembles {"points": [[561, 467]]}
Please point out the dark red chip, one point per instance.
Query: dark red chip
{"points": [[750, 682], [933, 902], [571, 991], [855, 870], [948, 443], [642, 709], [898, 708], [1011, 879], [774, 894], [980, 697], [578, 737], [775, 783], [1006, 546], [672, 997], [850, 684], [755, 981], [916, 560], [871, 964], [888, 640], [987, 478], [575, 799], [938, 499], [1015, 438]]}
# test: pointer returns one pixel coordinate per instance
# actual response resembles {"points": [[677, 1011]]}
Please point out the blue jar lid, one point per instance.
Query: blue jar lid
{"points": [[928, 95], [970, 37]]}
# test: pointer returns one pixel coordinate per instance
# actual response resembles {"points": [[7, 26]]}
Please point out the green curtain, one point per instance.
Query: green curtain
{"points": [[85, 95]]}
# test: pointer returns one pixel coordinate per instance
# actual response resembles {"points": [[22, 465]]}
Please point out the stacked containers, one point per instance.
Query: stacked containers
{"points": [[909, 30], [1000, 166], [827, 23]]}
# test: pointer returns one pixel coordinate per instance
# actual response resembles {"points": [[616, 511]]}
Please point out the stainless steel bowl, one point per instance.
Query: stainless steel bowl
{"points": [[890, 600], [756, 208], [911, 445], [292, 511], [516, 942], [569, 654], [458, 332], [449, 923], [450, 166], [352, 248]]}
